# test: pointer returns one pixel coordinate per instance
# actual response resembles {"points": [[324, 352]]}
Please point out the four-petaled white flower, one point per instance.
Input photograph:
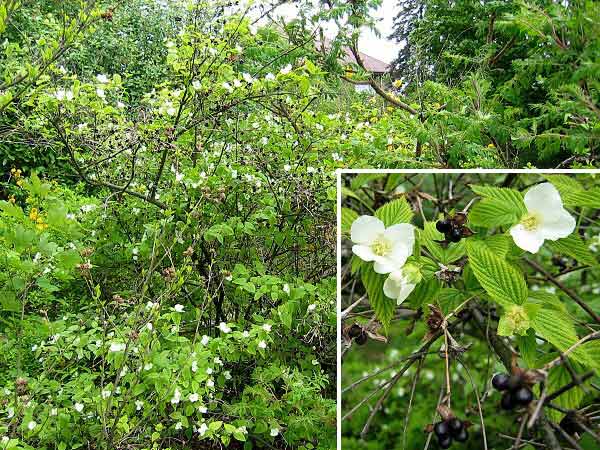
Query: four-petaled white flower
{"points": [[139, 405], [224, 328], [193, 397], [176, 396], [269, 77], [78, 407], [102, 78], [546, 218], [178, 308], [178, 426], [117, 347], [210, 383], [204, 340], [31, 425], [203, 429], [106, 393], [287, 69], [274, 431], [400, 283], [388, 247], [286, 288], [196, 85], [262, 344], [267, 327]]}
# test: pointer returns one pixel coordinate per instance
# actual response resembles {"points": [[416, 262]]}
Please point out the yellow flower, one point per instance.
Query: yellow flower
{"points": [[491, 145], [397, 84], [19, 183], [11, 199], [41, 226], [40, 220], [390, 147], [33, 214]]}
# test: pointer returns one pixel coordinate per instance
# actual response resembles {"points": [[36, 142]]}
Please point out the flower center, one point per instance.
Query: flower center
{"points": [[381, 246], [530, 222]]}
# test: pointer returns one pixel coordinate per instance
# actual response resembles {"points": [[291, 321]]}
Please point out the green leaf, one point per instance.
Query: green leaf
{"points": [[394, 212], [364, 178], [502, 281], [571, 399], [574, 247], [559, 330], [528, 348], [425, 292], [348, 217], [454, 252], [500, 206], [574, 193], [383, 306], [592, 351]]}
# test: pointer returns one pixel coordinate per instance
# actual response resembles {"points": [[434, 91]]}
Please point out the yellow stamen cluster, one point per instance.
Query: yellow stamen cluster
{"points": [[530, 222], [36, 217], [381, 247], [16, 173]]}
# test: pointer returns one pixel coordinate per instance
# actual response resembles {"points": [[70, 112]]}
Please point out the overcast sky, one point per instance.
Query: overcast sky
{"points": [[380, 48]]}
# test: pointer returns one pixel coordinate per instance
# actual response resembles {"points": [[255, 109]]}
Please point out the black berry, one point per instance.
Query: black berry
{"points": [[445, 442], [508, 401], [570, 424], [455, 425], [443, 226], [355, 330], [461, 436], [441, 429], [500, 381], [361, 339], [514, 383], [455, 234], [523, 396]]}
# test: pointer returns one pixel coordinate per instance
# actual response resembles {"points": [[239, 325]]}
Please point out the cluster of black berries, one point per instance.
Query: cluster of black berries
{"points": [[454, 228], [449, 430], [516, 392], [357, 333]]}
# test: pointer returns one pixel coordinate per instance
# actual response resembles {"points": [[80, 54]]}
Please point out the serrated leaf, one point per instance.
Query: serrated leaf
{"points": [[355, 264], [348, 217], [489, 213], [499, 244], [559, 330], [364, 178], [383, 306], [425, 292], [508, 196], [394, 212], [571, 399], [592, 352], [454, 252], [574, 247], [527, 348], [503, 282], [574, 193]]}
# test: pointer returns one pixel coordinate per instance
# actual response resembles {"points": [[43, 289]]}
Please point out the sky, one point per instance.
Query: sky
{"points": [[378, 47]]}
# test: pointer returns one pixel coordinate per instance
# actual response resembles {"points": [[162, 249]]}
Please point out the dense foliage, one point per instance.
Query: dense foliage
{"points": [[500, 275]]}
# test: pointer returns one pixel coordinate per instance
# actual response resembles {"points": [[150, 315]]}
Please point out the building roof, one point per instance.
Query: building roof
{"points": [[372, 64]]}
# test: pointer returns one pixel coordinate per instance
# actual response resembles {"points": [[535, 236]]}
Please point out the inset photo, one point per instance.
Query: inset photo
{"points": [[470, 310]]}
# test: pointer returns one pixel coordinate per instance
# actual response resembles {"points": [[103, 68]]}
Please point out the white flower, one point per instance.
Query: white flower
{"points": [[310, 169], [274, 431], [204, 340], [194, 366], [102, 78], [196, 85], [149, 305], [546, 218], [399, 284], [218, 361], [149, 326], [227, 375], [10, 412], [224, 328], [210, 383], [202, 409], [171, 110], [287, 167], [178, 426], [100, 93], [388, 247], [178, 308], [120, 104], [269, 77], [203, 429], [138, 405], [228, 87], [245, 334], [117, 347], [34, 347], [312, 307], [78, 407], [247, 78], [54, 412], [148, 366], [193, 397], [106, 394], [266, 327], [237, 83], [262, 344], [287, 69], [209, 371], [286, 288], [176, 397], [31, 425]]}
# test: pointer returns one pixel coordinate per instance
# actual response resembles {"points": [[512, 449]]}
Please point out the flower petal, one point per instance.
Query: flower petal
{"points": [[385, 265], [561, 225], [401, 233], [396, 287], [404, 293], [365, 229], [530, 241], [543, 199], [364, 252], [391, 287]]}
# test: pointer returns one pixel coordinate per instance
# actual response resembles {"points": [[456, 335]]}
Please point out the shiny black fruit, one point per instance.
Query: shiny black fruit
{"points": [[523, 396], [455, 234], [361, 339], [508, 401], [461, 436], [441, 429], [443, 226], [455, 425], [445, 442], [514, 383], [500, 381]]}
